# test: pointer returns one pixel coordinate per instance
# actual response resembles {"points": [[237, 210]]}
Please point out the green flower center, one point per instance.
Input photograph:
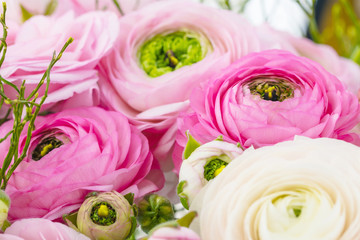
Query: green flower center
{"points": [[213, 168], [272, 89], [45, 146], [165, 53], [103, 214]]}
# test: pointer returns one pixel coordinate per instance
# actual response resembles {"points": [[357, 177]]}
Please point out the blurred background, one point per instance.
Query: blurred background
{"points": [[332, 22]]}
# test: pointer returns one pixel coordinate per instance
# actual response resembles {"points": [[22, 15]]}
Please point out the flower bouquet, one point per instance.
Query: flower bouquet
{"points": [[178, 120]]}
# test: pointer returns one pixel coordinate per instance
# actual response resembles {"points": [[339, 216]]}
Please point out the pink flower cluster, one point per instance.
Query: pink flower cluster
{"points": [[112, 126]]}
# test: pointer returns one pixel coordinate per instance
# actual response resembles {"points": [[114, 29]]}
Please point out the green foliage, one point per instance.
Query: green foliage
{"points": [[25, 109]]}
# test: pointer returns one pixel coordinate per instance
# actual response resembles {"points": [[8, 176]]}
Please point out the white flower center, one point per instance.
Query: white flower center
{"points": [[301, 213]]}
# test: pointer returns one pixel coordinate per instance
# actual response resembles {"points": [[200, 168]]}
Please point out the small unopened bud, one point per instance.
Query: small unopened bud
{"points": [[153, 210], [106, 216]]}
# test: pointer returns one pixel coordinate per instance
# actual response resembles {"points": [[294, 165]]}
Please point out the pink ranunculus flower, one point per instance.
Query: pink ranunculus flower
{"points": [[75, 152], [162, 53], [74, 77], [344, 69], [269, 97], [38, 228], [174, 233]]}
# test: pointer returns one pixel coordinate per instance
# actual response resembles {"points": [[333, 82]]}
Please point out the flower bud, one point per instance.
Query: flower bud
{"points": [[153, 210], [106, 216], [203, 163], [4, 207]]}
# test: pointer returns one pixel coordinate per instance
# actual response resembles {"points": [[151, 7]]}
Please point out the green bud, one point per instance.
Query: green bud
{"points": [[153, 210], [106, 216]]}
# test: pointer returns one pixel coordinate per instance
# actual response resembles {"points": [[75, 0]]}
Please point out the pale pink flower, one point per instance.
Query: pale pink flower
{"points": [[174, 233], [38, 228], [153, 103], [74, 78], [75, 152], [305, 100]]}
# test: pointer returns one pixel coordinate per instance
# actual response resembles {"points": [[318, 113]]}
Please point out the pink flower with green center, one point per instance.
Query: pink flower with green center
{"points": [[269, 97], [75, 152]]}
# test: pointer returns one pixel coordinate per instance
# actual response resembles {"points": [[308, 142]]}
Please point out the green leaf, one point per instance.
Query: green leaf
{"points": [[130, 198], [186, 220], [51, 7], [70, 220], [5, 225], [131, 235], [191, 145], [183, 197], [25, 13]]}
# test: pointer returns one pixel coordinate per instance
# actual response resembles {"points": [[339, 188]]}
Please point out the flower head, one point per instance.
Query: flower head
{"points": [[107, 216], [203, 164], [269, 97], [75, 152], [300, 189], [162, 53]]}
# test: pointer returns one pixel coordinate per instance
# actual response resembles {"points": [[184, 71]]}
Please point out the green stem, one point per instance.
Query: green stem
{"points": [[117, 4], [6, 136], [31, 126]]}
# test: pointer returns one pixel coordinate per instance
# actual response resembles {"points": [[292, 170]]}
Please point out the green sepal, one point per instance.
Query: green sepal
{"points": [[191, 145], [50, 8], [183, 197], [220, 138], [71, 220], [186, 220], [91, 194], [130, 198], [25, 13], [131, 235], [5, 225]]}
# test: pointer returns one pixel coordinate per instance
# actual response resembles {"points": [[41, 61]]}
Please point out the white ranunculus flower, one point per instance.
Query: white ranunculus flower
{"points": [[203, 164], [306, 189]]}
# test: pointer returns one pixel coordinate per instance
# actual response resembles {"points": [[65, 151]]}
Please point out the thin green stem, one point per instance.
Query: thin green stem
{"points": [[117, 4], [31, 125], [6, 136]]}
